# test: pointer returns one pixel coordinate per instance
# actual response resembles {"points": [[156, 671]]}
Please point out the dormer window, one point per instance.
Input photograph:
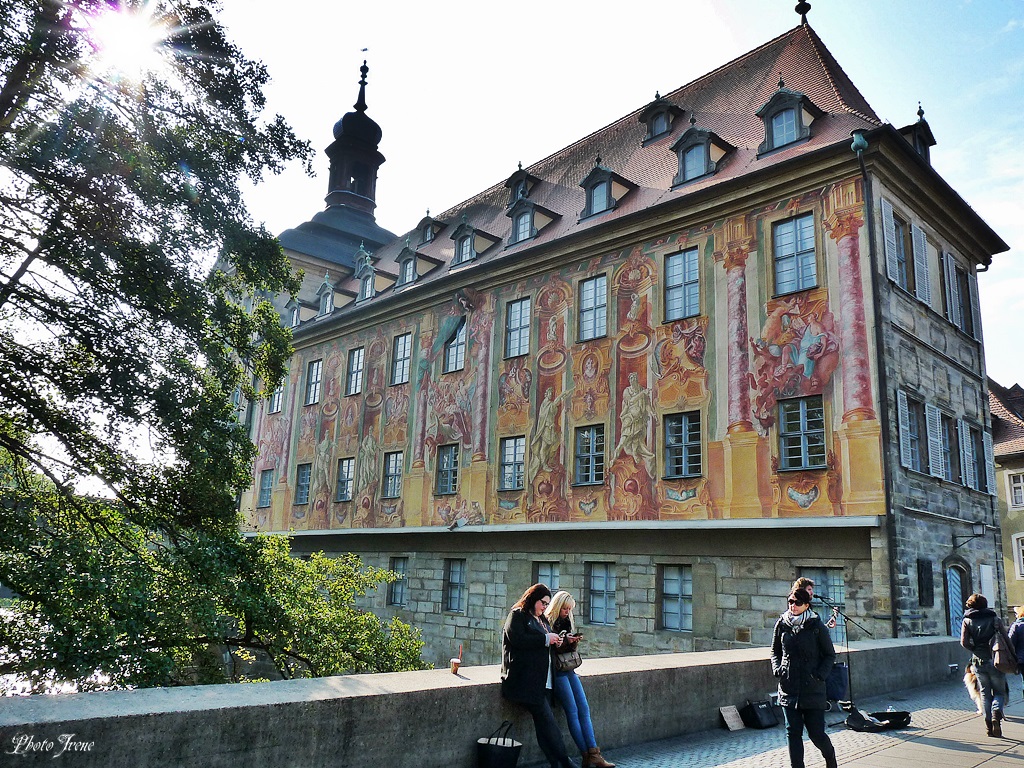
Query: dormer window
{"points": [[659, 124], [659, 116], [519, 186], [599, 197], [528, 219], [523, 227], [428, 228], [407, 271], [294, 313], [604, 189], [325, 296], [464, 249], [699, 152], [365, 274], [787, 119]]}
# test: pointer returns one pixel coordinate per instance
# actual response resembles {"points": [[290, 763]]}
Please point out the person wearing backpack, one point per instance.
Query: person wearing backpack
{"points": [[802, 657], [979, 627], [1017, 639]]}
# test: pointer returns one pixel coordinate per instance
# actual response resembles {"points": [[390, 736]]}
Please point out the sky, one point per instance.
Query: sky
{"points": [[464, 91]]}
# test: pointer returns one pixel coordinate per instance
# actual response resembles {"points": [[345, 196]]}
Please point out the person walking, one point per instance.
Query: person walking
{"points": [[802, 657], [568, 686], [979, 627], [1017, 639], [527, 667]]}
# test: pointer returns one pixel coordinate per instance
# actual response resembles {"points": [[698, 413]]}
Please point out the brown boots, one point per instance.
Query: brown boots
{"points": [[592, 759]]}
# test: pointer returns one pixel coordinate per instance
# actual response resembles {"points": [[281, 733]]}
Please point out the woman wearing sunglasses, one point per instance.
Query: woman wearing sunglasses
{"points": [[802, 657]]}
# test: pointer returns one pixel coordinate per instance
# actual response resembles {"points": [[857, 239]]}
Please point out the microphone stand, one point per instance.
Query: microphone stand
{"points": [[835, 610]]}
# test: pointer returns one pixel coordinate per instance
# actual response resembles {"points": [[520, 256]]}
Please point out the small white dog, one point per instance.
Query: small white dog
{"points": [[973, 690]]}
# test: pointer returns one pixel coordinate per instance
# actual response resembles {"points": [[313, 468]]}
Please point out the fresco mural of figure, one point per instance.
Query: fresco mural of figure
{"points": [[366, 465], [637, 412], [320, 475], [546, 437]]}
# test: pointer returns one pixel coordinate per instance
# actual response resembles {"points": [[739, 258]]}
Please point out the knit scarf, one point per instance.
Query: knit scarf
{"points": [[796, 621]]}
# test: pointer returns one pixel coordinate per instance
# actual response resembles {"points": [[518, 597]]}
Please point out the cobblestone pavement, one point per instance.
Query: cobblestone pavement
{"points": [[932, 708]]}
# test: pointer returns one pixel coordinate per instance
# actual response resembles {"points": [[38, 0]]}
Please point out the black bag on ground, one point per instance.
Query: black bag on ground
{"points": [[837, 682], [758, 714], [498, 751], [872, 722]]}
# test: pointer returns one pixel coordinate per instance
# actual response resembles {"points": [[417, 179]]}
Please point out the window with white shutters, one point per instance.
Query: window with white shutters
{"points": [[933, 420]]}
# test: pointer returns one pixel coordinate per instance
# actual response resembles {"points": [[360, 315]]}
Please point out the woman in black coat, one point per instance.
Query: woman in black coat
{"points": [[527, 666], [802, 657], [979, 627]]}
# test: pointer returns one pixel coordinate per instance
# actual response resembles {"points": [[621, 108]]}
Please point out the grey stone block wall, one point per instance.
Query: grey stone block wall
{"points": [[736, 599]]}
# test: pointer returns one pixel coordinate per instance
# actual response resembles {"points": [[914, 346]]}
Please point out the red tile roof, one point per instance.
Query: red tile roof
{"points": [[1007, 422], [723, 101]]}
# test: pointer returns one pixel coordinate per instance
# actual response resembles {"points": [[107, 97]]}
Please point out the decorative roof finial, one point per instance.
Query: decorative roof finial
{"points": [[920, 111], [361, 101], [520, 165], [428, 213], [657, 95], [597, 160], [802, 8], [693, 118], [782, 83], [407, 242]]}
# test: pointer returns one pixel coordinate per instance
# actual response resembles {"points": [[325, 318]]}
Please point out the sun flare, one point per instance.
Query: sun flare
{"points": [[128, 42]]}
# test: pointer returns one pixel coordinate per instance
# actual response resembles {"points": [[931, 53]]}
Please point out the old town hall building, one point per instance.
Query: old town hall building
{"points": [[730, 339]]}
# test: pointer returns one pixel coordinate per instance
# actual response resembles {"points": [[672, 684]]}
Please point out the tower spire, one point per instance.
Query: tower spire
{"points": [[361, 101]]}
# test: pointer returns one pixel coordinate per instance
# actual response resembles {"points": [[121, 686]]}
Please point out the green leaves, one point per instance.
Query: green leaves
{"points": [[120, 452]]}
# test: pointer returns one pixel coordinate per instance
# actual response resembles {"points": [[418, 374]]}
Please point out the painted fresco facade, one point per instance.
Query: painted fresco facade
{"points": [[648, 406]]}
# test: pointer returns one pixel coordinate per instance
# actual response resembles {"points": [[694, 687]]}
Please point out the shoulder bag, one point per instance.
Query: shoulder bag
{"points": [[1003, 656], [568, 661]]}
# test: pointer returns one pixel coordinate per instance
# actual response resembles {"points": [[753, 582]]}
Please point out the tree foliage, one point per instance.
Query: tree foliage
{"points": [[119, 351]]}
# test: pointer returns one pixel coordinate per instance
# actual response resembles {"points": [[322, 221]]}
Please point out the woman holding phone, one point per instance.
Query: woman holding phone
{"points": [[568, 686]]}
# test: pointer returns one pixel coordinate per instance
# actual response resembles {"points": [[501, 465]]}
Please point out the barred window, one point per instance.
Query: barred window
{"points": [[682, 445], [593, 308], [601, 605], [346, 477], [447, 469], [397, 588], [517, 328], [401, 357], [302, 475], [802, 433], [513, 456], [392, 475], [682, 285], [266, 488], [676, 586], [455, 585], [355, 371]]}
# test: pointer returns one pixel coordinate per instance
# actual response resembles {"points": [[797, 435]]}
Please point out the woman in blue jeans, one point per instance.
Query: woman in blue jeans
{"points": [[802, 657], [568, 686]]}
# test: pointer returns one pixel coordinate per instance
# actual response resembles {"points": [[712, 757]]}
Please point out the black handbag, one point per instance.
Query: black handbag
{"points": [[758, 714], [498, 751]]}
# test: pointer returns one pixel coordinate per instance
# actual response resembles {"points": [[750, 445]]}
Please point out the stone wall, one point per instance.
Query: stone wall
{"points": [[740, 580], [430, 718]]}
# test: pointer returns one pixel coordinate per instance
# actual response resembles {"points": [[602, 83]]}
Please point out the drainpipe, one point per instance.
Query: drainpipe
{"points": [[860, 143]]}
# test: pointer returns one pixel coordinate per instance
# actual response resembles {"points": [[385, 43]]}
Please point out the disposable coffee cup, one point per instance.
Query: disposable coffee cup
{"points": [[455, 662]]}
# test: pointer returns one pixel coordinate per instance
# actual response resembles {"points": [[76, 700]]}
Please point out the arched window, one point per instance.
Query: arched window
{"points": [[784, 128], [464, 249], [408, 272], [524, 226], [599, 197]]}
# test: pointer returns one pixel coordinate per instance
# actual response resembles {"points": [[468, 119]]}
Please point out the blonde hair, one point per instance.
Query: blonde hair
{"points": [[554, 610], [1019, 610]]}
